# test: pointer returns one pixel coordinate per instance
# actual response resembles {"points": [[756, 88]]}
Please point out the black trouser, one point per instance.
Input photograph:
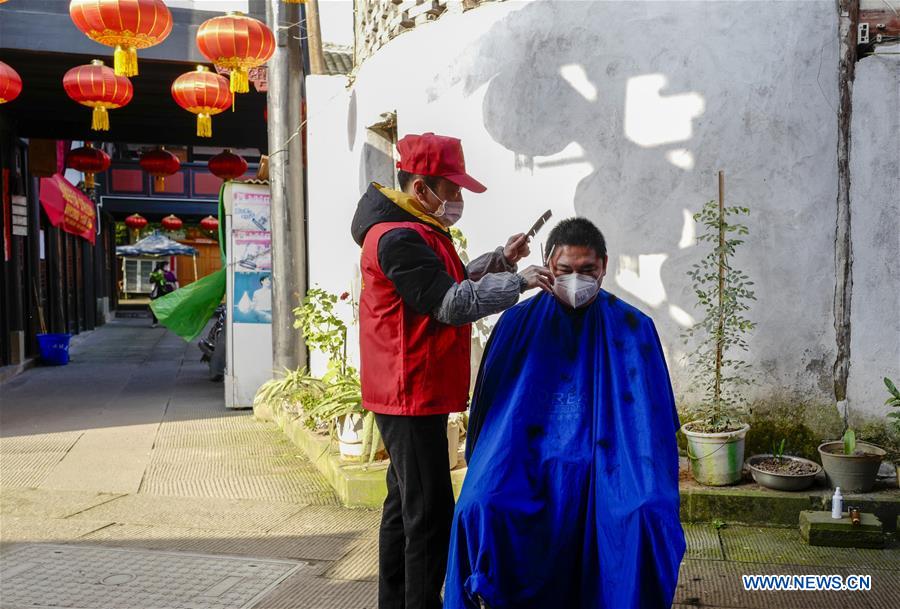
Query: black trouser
{"points": [[415, 525]]}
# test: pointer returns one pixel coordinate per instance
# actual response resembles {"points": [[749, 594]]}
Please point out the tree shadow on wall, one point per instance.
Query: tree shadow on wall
{"points": [[652, 95]]}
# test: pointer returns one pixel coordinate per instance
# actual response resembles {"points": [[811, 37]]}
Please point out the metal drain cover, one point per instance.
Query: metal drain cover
{"points": [[74, 577]]}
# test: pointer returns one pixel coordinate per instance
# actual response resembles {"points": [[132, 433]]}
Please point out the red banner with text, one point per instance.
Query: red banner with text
{"points": [[68, 208]]}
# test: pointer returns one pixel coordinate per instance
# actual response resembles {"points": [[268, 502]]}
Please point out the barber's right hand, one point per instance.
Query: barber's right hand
{"points": [[537, 277]]}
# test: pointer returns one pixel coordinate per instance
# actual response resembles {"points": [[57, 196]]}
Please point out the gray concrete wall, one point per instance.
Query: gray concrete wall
{"points": [[875, 202], [623, 112]]}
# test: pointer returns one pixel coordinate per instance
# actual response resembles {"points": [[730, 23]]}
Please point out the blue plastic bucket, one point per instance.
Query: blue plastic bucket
{"points": [[54, 348]]}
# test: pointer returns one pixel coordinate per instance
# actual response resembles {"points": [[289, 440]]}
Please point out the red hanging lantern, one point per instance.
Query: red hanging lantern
{"points": [[160, 163], [97, 87], [172, 222], [203, 93], [89, 161], [127, 25], [236, 42], [227, 165], [10, 83], [209, 223], [136, 221]]}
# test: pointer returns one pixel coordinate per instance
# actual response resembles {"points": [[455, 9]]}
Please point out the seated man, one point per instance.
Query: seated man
{"points": [[571, 497]]}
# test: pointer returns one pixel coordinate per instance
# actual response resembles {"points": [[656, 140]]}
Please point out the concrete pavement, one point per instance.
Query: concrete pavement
{"points": [[124, 482]]}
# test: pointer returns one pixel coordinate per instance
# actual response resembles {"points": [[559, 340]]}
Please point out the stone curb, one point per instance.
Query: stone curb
{"points": [[356, 485]]}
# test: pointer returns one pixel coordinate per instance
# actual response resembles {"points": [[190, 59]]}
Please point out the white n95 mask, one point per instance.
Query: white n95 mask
{"points": [[575, 289]]}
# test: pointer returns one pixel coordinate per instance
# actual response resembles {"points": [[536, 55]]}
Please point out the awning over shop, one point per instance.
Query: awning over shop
{"points": [[68, 208], [156, 244]]}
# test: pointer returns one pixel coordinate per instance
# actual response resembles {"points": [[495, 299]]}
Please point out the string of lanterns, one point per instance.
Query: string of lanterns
{"points": [[233, 42]]}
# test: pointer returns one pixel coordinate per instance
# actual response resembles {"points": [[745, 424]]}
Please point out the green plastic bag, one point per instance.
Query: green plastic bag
{"points": [[186, 310]]}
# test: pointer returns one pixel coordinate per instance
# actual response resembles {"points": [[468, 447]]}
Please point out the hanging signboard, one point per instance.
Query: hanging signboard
{"points": [[68, 208], [19, 216]]}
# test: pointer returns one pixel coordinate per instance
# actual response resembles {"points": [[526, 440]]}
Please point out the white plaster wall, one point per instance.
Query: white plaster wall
{"points": [[875, 204], [623, 112], [332, 194]]}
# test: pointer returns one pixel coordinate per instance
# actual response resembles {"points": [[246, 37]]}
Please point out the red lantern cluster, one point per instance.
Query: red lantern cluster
{"points": [[89, 161], [160, 163], [127, 25], [10, 83], [209, 223], [227, 165], [136, 221], [171, 222], [98, 87]]}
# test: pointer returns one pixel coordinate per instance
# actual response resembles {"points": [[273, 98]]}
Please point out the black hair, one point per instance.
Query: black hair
{"points": [[263, 278], [161, 265], [576, 231], [404, 178]]}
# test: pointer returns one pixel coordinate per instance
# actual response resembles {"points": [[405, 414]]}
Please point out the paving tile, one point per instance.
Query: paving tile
{"points": [[702, 542], [50, 504], [785, 546], [314, 549], [321, 593], [209, 513], [26, 529], [360, 563], [334, 520]]}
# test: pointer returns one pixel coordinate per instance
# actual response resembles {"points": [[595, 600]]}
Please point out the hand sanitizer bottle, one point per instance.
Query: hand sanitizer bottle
{"points": [[837, 504]]}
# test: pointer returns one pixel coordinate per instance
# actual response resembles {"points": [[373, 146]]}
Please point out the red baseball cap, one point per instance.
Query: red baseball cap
{"points": [[436, 155]]}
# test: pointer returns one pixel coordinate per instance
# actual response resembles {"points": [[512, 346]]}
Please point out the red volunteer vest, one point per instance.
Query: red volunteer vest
{"points": [[410, 364]]}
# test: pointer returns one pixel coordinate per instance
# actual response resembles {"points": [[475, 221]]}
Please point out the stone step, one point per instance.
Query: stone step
{"points": [[820, 529]]}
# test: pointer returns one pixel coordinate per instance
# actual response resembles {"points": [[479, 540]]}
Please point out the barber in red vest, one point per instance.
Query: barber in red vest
{"points": [[416, 307]]}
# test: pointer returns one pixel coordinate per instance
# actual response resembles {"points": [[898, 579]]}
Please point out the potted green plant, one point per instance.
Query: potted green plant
{"points": [[715, 441], [850, 464], [782, 472], [341, 397]]}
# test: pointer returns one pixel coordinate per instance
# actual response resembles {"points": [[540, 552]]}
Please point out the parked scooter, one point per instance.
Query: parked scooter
{"points": [[213, 345]]}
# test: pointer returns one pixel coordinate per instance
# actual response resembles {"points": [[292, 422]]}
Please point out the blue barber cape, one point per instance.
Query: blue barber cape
{"points": [[571, 497]]}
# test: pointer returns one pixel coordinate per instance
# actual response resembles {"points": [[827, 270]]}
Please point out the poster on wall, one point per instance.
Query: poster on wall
{"points": [[250, 211], [253, 297], [253, 251]]}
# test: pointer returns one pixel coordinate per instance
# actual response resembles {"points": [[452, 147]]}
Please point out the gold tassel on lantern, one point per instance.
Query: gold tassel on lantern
{"points": [[125, 61], [100, 119], [159, 183], [240, 81], [204, 125], [89, 181]]}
